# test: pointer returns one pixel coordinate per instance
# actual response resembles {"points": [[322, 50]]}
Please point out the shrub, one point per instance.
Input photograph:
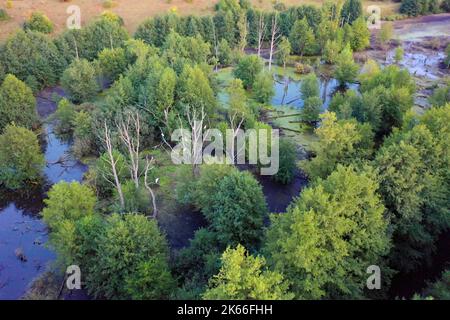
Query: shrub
{"points": [[21, 159], [286, 171], [80, 81], [39, 22]]}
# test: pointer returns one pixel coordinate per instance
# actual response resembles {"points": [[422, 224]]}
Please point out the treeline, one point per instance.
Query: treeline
{"points": [[422, 7]]}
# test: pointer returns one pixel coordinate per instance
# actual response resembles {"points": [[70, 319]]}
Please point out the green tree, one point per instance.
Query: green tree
{"points": [[195, 90], [225, 54], [32, 55], [238, 210], [447, 59], [340, 142], [67, 203], [38, 22], [346, 68], [360, 35], [284, 51], [65, 114], [113, 62], [288, 157], [440, 289], [331, 51], [248, 69], [302, 38], [351, 11], [17, 104], [132, 260], [330, 235], [80, 81], [310, 112], [310, 87], [386, 33], [263, 89], [21, 159], [398, 55], [244, 277], [413, 168]]}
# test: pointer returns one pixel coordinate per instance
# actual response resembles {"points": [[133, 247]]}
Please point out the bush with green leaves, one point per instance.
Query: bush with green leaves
{"points": [[32, 55], [80, 81], [346, 69], [247, 69], [351, 10], [302, 38], [113, 62], [340, 142], [17, 104], [39, 22], [287, 164], [67, 203], [245, 277], [238, 210], [131, 260], [64, 114], [330, 235], [21, 158], [263, 89]]}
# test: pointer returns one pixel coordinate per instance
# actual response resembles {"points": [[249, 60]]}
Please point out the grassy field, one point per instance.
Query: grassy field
{"points": [[132, 11]]}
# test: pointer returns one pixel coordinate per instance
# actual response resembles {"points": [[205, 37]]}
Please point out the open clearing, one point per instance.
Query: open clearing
{"points": [[132, 11]]}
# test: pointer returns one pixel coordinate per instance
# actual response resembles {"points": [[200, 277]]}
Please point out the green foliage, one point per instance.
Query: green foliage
{"points": [[263, 89], [32, 54], [302, 38], [225, 54], [38, 22], [84, 139], [197, 263], [346, 68], [195, 90], [248, 69], [440, 289], [284, 51], [413, 167], [237, 210], [103, 174], [21, 159], [288, 157], [386, 33], [340, 142], [419, 7], [310, 112], [398, 55], [360, 36], [208, 184], [329, 236], [65, 114], [178, 49], [244, 277], [67, 203], [80, 81], [17, 104], [131, 260], [440, 96], [331, 51], [112, 62], [310, 87], [351, 11]]}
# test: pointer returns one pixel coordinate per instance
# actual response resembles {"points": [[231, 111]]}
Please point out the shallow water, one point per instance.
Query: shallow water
{"points": [[20, 225]]}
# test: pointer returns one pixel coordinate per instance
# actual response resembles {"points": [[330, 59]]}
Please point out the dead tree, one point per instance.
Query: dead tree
{"points": [[274, 38], [148, 167], [261, 32], [130, 131], [113, 164]]}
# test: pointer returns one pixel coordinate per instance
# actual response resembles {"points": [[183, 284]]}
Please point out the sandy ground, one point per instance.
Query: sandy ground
{"points": [[132, 11]]}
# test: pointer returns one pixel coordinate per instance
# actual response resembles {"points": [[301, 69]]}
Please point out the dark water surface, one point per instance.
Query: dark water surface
{"points": [[22, 232]]}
